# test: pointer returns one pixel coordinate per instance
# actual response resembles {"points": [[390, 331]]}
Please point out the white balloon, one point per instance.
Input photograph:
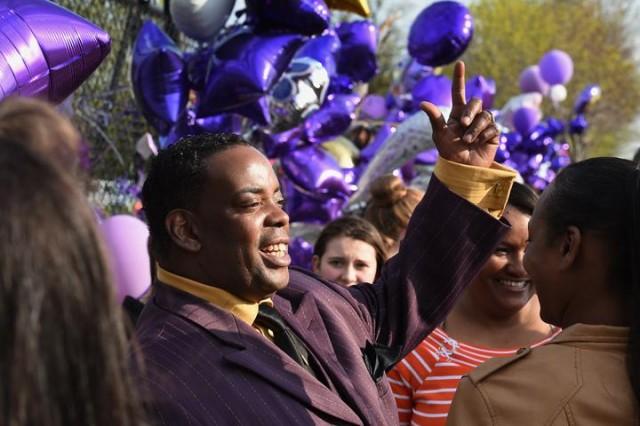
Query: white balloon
{"points": [[557, 93], [200, 19]]}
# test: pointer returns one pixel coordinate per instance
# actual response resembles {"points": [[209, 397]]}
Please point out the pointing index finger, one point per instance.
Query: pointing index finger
{"points": [[458, 95]]}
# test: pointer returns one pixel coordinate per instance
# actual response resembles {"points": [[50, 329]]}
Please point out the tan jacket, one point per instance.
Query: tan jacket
{"points": [[579, 378]]}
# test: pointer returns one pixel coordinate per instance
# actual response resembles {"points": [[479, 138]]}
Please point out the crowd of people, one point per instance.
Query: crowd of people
{"points": [[475, 303]]}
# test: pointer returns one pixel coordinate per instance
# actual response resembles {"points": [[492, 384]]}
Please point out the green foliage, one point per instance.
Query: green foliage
{"points": [[511, 35]]}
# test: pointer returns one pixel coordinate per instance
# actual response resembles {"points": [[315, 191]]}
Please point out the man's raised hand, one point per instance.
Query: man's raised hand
{"points": [[470, 135]]}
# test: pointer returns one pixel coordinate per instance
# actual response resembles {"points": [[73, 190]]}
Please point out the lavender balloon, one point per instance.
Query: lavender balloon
{"points": [[301, 252], [441, 33], [525, 119], [435, 89], [46, 51], [556, 67], [126, 238], [373, 107], [239, 83], [159, 77], [302, 16], [357, 55], [481, 88], [531, 81]]}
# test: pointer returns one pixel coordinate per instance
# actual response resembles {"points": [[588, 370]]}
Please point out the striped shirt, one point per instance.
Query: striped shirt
{"points": [[425, 381]]}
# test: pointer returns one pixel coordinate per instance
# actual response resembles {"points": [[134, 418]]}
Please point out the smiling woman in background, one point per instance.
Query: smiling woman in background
{"points": [[497, 314], [349, 251]]}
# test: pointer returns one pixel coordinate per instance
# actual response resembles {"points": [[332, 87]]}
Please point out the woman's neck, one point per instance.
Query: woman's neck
{"points": [[469, 324]]}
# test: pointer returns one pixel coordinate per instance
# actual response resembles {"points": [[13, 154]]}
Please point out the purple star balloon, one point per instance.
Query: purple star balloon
{"points": [[46, 51]]}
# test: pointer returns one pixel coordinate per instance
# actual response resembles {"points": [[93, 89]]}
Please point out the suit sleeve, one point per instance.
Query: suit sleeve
{"points": [[448, 240], [469, 406]]}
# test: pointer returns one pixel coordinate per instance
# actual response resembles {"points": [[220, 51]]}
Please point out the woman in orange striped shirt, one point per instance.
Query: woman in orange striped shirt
{"points": [[498, 313]]}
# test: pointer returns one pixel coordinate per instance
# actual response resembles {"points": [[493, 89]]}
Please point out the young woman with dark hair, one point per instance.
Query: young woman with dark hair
{"points": [[497, 314], [349, 251], [584, 260], [63, 350]]}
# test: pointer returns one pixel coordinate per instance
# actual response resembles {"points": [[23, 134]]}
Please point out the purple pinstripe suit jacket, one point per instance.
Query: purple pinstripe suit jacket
{"points": [[203, 366]]}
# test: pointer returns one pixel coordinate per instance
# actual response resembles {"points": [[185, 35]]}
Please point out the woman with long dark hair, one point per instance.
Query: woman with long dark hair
{"points": [[63, 351], [584, 259]]}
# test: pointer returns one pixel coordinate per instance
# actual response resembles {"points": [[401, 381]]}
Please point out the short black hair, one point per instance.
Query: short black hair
{"points": [[175, 179]]}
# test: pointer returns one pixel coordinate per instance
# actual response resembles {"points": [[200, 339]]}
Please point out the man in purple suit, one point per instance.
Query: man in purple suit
{"points": [[232, 336]]}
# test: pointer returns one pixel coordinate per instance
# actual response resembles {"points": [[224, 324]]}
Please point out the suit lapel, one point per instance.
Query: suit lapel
{"points": [[251, 351], [302, 315]]}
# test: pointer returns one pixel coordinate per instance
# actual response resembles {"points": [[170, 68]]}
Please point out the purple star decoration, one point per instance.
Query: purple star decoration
{"points": [[46, 51]]}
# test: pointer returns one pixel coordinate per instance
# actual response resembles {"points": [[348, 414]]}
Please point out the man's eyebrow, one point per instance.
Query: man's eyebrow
{"points": [[251, 190]]}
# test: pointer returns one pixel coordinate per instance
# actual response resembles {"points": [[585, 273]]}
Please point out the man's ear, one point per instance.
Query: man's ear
{"points": [[570, 246], [315, 264], [180, 225]]}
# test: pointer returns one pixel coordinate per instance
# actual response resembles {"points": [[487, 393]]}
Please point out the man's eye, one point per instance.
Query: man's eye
{"points": [[282, 202], [335, 263], [501, 251]]}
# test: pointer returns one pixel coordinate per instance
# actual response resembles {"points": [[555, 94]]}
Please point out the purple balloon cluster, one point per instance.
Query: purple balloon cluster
{"points": [[45, 50]]}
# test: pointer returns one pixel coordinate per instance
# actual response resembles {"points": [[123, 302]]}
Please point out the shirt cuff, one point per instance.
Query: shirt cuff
{"points": [[488, 188]]}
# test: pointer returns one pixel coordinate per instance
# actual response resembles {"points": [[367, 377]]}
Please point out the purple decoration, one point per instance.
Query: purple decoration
{"points": [[159, 77], [502, 154], [413, 73], [315, 171], [428, 157], [46, 51], [309, 210], [279, 144], [332, 119], [441, 33], [525, 119], [396, 116], [301, 252], [367, 154], [556, 67], [239, 83], [189, 125], [511, 140], [589, 95], [435, 89], [357, 55], [578, 125], [197, 63], [531, 81], [126, 240], [481, 88], [373, 107], [560, 162], [555, 127], [301, 16], [322, 49], [340, 85]]}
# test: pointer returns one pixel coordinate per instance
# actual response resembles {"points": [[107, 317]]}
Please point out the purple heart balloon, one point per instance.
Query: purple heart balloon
{"points": [[435, 89], [239, 83], [302, 16], [440, 33], [159, 77], [357, 55], [45, 50]]}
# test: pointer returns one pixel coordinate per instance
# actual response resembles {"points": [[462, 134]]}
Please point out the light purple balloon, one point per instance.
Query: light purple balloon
{"points": [[126, 237], [253, 65], [45, 50], [373, 107], [525, 119], [531, 81], [322, 49], [556, 67], [435, 89]]}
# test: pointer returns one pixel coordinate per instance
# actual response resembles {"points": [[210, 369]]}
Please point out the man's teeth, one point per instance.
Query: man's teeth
{"points": [[277, 250], [518, 285]]}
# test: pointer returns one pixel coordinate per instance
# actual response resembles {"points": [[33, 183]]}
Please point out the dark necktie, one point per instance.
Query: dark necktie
{"points": [[284, 337]]}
